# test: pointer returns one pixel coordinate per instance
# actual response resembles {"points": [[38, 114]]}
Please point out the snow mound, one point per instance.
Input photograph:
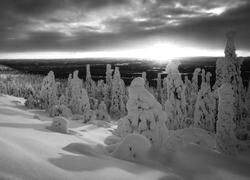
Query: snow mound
{"points": [[85, 149], [134, 147], [179, 139], [112, 140], [59, 124]]}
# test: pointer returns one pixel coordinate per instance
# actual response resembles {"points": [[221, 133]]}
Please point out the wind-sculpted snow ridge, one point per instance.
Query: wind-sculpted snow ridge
{"points": [[145, 115]]}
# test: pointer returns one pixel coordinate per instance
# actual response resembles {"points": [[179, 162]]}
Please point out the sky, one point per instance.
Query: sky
{"points": [[154, 29]]}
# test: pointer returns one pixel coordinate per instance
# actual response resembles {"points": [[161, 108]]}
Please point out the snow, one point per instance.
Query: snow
{"points": [[134, 147], [181, 138], [30, 151]]}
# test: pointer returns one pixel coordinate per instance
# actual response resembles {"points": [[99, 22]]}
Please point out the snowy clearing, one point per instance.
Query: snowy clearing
{"points": [[28, 150]]}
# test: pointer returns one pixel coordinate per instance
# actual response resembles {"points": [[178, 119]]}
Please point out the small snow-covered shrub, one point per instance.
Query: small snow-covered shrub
{"points": [[77, 117], [60, 110], [89, 116], [180, 138], [93, 103], [134, 147], [102, 113], [59, 124], [32, 102], [112, 140]]}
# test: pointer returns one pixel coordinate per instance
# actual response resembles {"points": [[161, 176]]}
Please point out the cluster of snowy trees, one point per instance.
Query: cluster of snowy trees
{"points": [[176, 103], [81, 99], [222, 110]]}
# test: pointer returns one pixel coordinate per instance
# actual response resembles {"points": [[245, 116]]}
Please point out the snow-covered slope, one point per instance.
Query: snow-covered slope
{"points": [[28, 150]]}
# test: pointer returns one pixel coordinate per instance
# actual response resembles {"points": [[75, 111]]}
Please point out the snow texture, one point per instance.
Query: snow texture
{"points": [[134, 147]]}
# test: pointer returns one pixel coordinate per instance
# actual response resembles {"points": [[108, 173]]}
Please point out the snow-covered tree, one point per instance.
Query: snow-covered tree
{"points": [[79, 101], [89, 83], [191, 92], [225, 127], [108, 86], [248, 98], [117, 108], [188, 92], [48, 93], [100, 91], [205, 107], [175, 106], [145, 115], [228, 71], [102, 112], [159, 88], [144, 76]]}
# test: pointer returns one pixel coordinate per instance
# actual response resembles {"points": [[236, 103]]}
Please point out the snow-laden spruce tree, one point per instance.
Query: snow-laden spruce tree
{"points": [[175, 106], [225, 126], [191, 92], [205, 107], [48, 92], [100, 88], [144, 76], [145, 115], [90, 86], [228, 71], [102, 112], [108, 86], [248, 98], [159, 88], [89, 83], [188, 93], [79, 101], [117, 106]]}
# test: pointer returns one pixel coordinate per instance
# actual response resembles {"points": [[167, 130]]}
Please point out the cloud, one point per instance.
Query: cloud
{"points": [[90, 24]]}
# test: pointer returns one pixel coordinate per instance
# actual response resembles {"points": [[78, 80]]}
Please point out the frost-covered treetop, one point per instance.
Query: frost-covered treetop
{"points": [[172, 67], [138, 82], [230, 47]]}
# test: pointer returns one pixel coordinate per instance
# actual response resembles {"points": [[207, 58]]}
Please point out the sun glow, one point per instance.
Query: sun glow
{"points": [[160, 52]]}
